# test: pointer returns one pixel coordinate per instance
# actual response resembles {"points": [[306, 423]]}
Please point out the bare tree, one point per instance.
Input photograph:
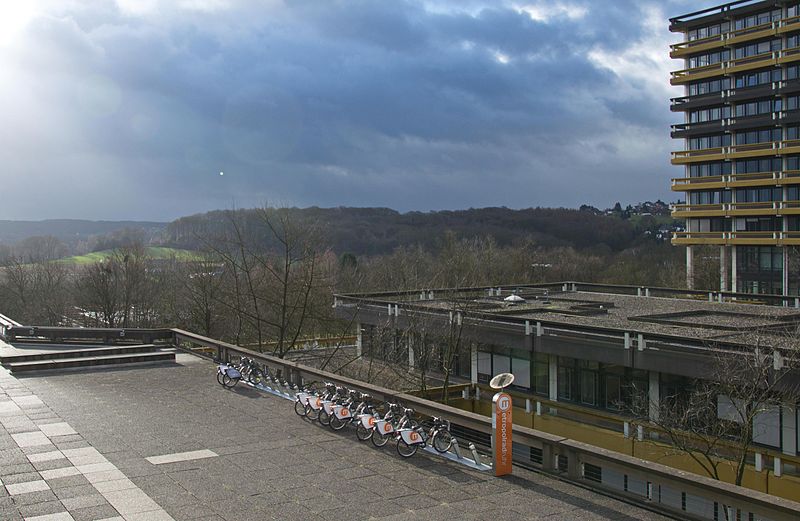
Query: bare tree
{"points": [[98, 292], [278, 272], [119, 291], [35, 292], [718, 420]]}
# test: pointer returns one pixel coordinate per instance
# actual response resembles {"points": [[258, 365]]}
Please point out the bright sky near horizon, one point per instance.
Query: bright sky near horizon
{"points": [[132, 109]]}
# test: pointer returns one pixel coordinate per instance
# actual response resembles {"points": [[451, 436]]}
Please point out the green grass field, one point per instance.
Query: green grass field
{"points": [[153, 252]]}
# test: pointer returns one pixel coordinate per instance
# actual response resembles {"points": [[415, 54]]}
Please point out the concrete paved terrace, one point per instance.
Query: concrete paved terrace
{"points": [[167, 442]]}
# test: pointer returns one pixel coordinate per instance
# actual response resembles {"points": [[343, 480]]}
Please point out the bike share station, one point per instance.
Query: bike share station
{"points": [[502, 408], [338, 407]]}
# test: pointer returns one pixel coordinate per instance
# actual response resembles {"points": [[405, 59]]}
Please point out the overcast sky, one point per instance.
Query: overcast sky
{"points": [[130, 109]]}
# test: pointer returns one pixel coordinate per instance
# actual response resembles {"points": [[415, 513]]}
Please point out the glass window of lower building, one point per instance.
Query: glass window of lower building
{"points": [[531, 373], [759, 269]]}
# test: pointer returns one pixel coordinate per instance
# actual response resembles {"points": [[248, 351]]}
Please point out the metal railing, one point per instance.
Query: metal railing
{"points": [[17, 332]]}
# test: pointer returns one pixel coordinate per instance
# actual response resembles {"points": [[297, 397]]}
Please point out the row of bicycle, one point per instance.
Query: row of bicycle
{"points": [[338, 407], [228, 375]]}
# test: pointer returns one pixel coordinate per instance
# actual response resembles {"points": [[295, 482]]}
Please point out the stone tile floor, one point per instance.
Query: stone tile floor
{"points": [[74, 446]]}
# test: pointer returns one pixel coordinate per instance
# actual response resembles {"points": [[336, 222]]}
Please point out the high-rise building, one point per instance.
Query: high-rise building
{"points": [[741, 153]]}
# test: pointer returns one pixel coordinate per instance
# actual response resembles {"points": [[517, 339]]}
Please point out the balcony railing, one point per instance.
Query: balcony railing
{"points": [[736, 209], [680, 184], [700, 154], [679, 50], [683, 49], [769, 238], [704, 71], [767, 148]]}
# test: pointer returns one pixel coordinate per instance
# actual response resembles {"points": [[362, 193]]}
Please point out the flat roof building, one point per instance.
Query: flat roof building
{"points": [[741, 143], [584, 356]]}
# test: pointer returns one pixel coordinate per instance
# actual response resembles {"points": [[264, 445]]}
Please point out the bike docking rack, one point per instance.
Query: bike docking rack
{"points": [[405, 430], [229, 375]]}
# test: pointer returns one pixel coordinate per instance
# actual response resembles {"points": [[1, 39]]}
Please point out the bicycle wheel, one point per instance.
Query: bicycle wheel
{"points": [[254, 377], [229, 382], [442, 441], [311, 413], [220, 376], [406, 450], [363, 433], [324, 418], [378, 439], [300, 409], [336, 424]]}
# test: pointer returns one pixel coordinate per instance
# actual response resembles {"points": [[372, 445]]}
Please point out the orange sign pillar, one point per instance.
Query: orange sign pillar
{"points": [[501, 438]]}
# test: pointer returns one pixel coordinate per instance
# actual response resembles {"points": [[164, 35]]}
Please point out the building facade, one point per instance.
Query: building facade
{"points": [[741, 143]]}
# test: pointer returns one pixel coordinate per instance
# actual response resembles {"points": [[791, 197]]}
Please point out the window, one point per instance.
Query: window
{"points": [[758, 136], [613, 382], [758, 195], [752, 166], [711, 58], [589, 382], [754, 108], [501, 362], [711, 86], [714, 224], [710, 169], [700, 143], [758, 224], [757, 19], [715, 114], [566, 378], [759, 269], [484, 367], [759, 258], [521, 369], [541, 374], [710, 197], [710, 30], [753, 79], [754, 49], [767, 427]]}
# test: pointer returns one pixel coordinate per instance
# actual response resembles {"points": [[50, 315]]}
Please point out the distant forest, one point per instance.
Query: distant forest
{"points": [[380, 231], [268, 274]]}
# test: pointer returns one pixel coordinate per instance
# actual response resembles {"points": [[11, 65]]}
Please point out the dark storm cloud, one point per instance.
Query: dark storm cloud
{"points": [[405, 104]]}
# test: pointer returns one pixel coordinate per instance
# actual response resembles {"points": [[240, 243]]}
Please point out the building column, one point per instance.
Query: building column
{"points": [[734, 282], [654, 394], [789, 429], [689, 268], [359, 339], [553, 374], [473, 363], [723, 268]]}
